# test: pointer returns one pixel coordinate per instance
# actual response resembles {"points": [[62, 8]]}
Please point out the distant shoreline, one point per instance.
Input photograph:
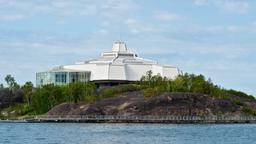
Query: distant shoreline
{"points": [[13, 121], [138, 119], [130, 122]]}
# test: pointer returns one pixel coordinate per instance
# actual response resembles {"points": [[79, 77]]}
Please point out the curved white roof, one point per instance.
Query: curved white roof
{"points": [[119, 55]]}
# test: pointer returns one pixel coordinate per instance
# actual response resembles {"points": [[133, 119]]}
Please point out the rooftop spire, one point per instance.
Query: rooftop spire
{"points": [[119, 46]]}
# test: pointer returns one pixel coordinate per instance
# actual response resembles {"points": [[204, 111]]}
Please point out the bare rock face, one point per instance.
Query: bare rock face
{"points": [[134, 103]]}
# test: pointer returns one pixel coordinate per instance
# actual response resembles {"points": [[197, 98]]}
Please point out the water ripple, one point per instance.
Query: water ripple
{"points": [[75, 133]]}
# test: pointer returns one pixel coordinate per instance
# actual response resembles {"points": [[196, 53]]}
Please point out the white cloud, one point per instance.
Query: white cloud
{"points": [[234, 6], [254, 23], [224, 29], [61, 4], [166, 16], [219, 29], [200, 2], [235, 29], [137, 27], [11, 17], [114, 10], [103, 32]]}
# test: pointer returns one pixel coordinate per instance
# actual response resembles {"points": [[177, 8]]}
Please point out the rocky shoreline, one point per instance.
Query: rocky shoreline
{"points": [[133, 107], [170, 107], [174, 104]]}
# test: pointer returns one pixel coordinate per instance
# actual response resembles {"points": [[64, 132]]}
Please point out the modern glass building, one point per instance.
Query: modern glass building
{"points": [[61, 77]]}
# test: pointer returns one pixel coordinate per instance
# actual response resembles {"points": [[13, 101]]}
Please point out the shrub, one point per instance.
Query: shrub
{"points": [[112, 91], [150, 92], [240, 94], [49, 96], [249, 111], [187, 83], [238, 102]]}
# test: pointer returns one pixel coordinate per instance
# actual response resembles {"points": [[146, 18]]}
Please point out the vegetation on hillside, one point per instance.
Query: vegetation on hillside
{"points": [[189, 83], [36, 101]]}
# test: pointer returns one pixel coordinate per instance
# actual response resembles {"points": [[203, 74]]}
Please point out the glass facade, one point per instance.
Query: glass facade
{"points": [[79, 76], [61, 78]]}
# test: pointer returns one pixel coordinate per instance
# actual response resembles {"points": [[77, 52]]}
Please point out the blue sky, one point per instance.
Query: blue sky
{"points": [[216, 38]]}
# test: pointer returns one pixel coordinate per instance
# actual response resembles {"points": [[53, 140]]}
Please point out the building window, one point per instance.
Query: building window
{"points": [[60, 78], [79, 76]]}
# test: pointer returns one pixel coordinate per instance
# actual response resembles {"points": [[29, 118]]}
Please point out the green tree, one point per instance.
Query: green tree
{"points": [[47, 97], [40, 102], [80, 91], [179, 85], [75, 91], [28, 90], [12, 86], [11, 82], [198, 84]]}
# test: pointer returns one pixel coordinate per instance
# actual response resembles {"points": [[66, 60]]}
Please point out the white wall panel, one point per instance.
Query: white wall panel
{"points": [[101, 72], [135, 72], [170, 72], [117, 72], [157, 69]]}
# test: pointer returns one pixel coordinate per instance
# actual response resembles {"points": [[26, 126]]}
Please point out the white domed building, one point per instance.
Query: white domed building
{"points": [[115, 67]]}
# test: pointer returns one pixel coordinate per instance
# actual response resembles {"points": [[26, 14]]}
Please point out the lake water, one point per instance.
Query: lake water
{"points": [[79, 133]]}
